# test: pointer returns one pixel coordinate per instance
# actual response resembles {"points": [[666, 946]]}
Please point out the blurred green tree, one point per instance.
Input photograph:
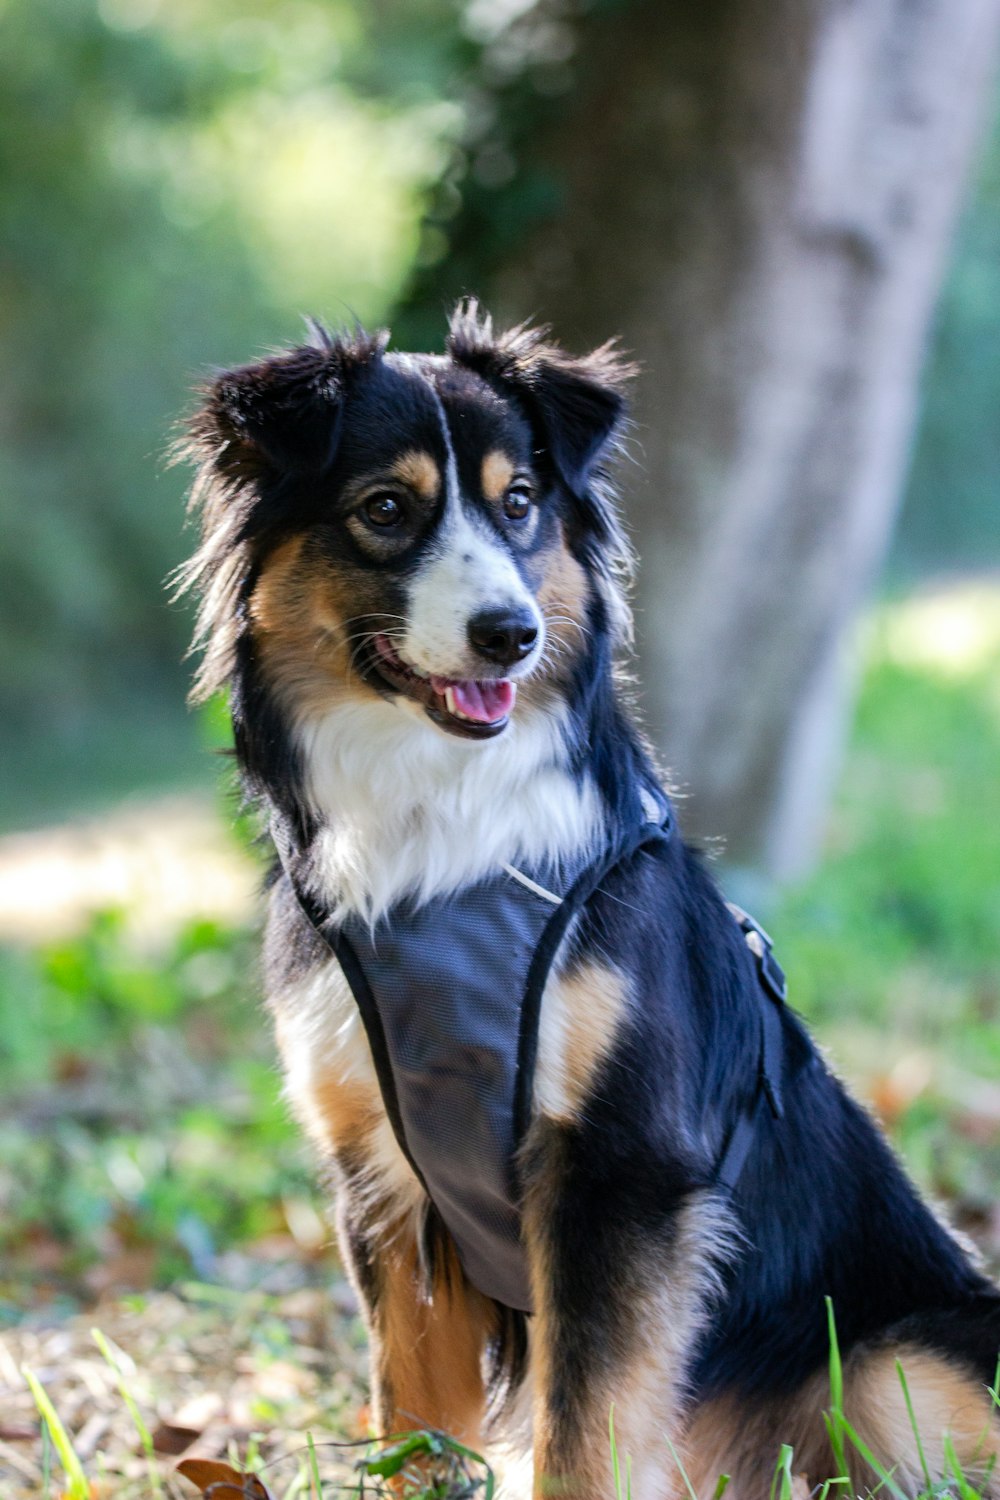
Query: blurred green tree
{"points": [[180, 184]]}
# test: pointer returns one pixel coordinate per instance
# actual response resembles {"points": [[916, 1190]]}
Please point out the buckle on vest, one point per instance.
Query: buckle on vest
{"points": [[772, 975]]}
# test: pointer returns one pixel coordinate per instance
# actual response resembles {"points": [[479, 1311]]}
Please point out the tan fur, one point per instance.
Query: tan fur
{"points": [[945, 1400], [563, 595], [427, 1351], [301, 609], [419, 472], [331, 1084], [341, 1112], [744, 1441], [656, 1317], [727, 1437], [580, 1015], [672, 1307], [279, 586], [496, 474]]}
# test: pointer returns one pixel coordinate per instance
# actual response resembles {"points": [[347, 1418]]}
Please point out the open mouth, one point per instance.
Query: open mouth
{"points": [[476, 709]]}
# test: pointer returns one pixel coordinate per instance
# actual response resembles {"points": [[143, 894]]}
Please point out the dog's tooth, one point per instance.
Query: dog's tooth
{"points": [[449, 702]]}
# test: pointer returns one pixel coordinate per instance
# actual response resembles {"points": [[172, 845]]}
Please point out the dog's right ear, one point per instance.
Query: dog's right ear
{"points": [[258, 430], [282, 415]]}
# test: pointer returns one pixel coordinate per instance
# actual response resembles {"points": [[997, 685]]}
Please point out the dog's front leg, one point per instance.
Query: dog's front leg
{"points": [[619, 1291], [427, 1335]]}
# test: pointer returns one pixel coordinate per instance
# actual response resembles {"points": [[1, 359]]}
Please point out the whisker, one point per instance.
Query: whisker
{"points": [[567, 620], [377, 614]]}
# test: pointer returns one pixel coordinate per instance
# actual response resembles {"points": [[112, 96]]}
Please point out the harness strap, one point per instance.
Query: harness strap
{"points": [[771, 978], [656, 832]]}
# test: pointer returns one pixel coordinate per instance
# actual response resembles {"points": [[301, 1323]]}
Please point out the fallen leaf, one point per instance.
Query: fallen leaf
{"points": [[221, 1481], [171, 1438]]}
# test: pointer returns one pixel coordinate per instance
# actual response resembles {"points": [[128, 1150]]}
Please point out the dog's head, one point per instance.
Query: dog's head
{"points": [[431, 531]]}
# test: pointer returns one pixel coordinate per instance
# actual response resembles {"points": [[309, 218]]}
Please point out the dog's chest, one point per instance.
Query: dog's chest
{"points": [[420, 1062], [466, 1037], [450, 993]]}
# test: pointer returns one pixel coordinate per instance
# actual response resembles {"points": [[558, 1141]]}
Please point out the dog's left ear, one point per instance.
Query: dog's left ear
{"points": [[580, 405], [577, 403]]}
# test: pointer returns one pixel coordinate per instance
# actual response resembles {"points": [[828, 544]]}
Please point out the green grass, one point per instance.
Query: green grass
{"points": [[427, 1465]]}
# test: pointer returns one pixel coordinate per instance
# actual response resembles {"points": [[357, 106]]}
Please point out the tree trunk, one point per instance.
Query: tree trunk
{"points": [[758, 197]]}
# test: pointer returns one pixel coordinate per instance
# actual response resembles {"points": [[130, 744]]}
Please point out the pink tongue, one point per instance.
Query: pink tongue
{"points": [[485, 702]]}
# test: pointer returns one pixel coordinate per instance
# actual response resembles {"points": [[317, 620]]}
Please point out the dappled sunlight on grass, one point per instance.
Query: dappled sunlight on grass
{"points": [[161, 862], [953, 630]]}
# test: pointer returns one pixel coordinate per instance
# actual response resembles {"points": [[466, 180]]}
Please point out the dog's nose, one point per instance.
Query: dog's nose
{"points": [[503, 635]]}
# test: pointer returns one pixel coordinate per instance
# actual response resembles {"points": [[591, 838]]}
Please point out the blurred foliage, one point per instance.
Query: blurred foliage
{"points": [[142, 1133], [891, 948], [514, 64], [143, 1127], [179, 183]]}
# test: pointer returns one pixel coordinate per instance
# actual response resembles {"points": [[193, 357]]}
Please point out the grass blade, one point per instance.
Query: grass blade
{"points": [[79, 1488], [965, 1489], [862, 1447], [834, 1420], [475, 1458], [145, 1436], [913, 1423], [615, 1469], [782, 1472], [683, 1472], [314, 1468]]}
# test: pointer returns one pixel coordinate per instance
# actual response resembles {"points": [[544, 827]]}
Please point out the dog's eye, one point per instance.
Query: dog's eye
{"points": [[517, 502], [384, 509]]}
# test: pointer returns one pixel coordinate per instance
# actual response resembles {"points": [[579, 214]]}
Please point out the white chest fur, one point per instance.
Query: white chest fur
{"points": [[406, 809]]}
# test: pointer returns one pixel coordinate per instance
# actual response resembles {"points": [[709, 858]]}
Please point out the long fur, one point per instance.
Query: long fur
{"points": [[700, 1313]]}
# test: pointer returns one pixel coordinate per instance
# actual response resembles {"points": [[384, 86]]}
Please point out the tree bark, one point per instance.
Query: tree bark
{"points": [[758, 196]]}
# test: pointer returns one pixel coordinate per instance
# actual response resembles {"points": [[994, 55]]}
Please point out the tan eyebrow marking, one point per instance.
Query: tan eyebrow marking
{"points": [[497, 473], [418, 470]]}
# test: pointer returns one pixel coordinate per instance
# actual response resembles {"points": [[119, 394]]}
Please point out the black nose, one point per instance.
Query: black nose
{"points": [[503, 635]]}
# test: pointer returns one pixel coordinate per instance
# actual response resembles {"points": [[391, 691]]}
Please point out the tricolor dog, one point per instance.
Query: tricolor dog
{"points": [[584, 1154]]}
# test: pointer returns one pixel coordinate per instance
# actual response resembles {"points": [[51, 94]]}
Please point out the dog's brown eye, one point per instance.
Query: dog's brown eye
{"points": [[384, 510], [517, 502]]}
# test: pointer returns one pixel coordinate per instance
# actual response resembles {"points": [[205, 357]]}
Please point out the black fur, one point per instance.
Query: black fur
{"points": [[822, 1207]]}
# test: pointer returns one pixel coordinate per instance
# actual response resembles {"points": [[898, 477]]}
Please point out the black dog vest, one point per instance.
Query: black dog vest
{"points": [[450, 995]]}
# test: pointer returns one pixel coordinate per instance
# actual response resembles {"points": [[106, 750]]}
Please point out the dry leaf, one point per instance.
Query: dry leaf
{"points": [[219, 1481], [171, 1438]]}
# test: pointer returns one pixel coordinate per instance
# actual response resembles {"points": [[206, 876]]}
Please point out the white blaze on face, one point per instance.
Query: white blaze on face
{"points": [[468, 572]]}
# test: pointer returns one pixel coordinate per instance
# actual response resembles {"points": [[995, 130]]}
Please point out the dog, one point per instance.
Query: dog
{"points": [[584, 1155]]}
